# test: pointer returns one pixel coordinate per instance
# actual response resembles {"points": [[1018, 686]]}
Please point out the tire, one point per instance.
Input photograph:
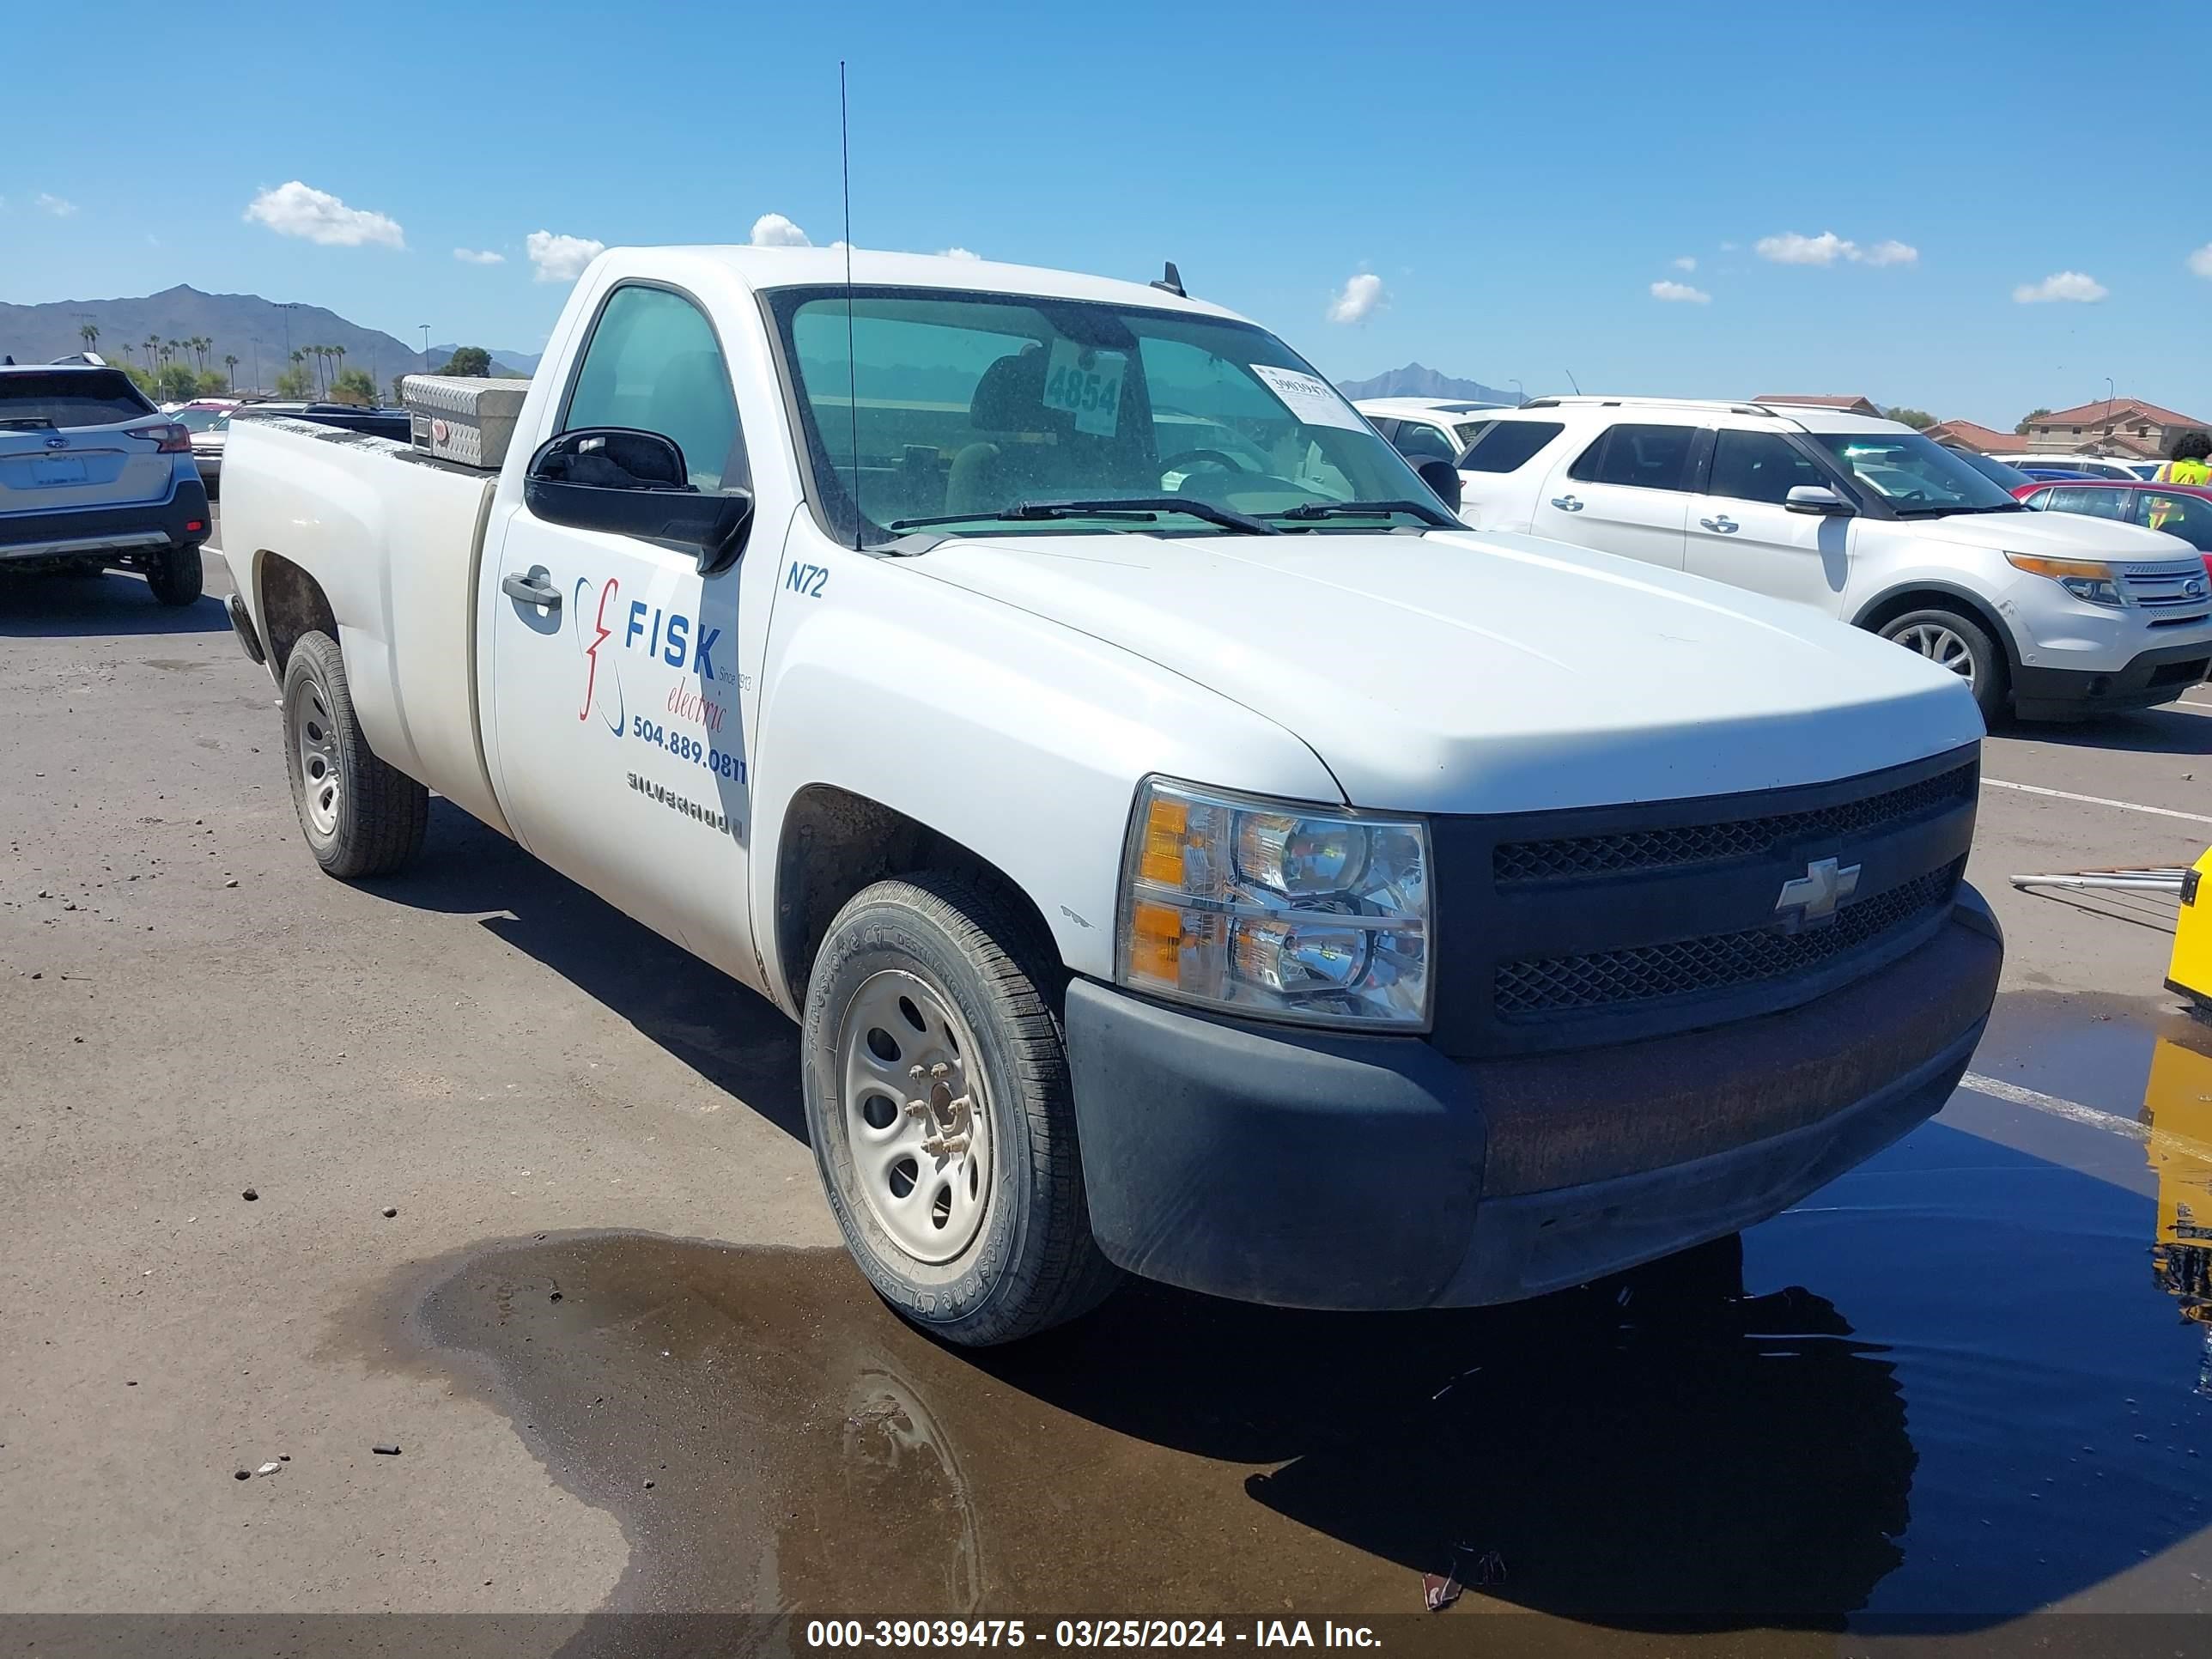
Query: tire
{"points": [[175, 575], [360, 816], [1959, 642], [908, 967]]}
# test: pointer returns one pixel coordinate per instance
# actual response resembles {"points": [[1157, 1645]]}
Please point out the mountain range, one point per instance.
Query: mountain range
{"points": [[244, 325], [1416, 382]]}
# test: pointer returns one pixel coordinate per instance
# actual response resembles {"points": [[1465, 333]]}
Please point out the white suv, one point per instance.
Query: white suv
{"points": [[2052, 615]]}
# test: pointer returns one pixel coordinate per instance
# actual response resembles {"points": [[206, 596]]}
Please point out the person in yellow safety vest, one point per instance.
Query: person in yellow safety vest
{"points": [[2188, 465]]}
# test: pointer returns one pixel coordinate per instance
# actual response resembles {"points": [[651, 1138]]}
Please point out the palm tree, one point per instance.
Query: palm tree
{"points": [[230, 369], [153, 350], [89, 334], [338, 352]]}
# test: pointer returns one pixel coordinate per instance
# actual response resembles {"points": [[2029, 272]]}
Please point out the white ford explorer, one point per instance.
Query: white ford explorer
{"points": [[2051, 615]]}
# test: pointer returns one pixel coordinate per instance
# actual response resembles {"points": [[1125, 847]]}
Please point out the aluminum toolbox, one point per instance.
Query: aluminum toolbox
{"points": [[459, 418]]}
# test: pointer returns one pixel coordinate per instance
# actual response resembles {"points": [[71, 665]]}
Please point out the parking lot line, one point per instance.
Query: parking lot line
{"points": [[2075, 1112], [2097, 800]]}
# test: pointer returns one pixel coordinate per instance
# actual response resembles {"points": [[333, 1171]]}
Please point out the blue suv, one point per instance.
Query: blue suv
{"points": [[92, 475]]}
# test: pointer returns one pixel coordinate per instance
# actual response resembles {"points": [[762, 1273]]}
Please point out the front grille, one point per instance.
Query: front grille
{"points": [[2157, 587], [1534, 988], [1668, 849]]}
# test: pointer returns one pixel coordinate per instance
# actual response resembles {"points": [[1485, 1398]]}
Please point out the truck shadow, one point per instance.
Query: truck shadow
{"points": [[731, 1036], [111, 604], [2146, 732], [1951, 1396]]}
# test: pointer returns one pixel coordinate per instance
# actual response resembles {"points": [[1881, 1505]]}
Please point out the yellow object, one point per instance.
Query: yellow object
{"points": [[2191, 971], [2178, 1104], [2184, 472]]}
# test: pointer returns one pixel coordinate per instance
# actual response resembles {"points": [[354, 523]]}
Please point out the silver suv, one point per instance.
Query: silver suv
{"points": [[92, 475]]}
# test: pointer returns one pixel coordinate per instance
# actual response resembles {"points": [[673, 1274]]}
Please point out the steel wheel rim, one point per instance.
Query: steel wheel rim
{"points": [[315, 739], [1940, 646], [916, 1116]]}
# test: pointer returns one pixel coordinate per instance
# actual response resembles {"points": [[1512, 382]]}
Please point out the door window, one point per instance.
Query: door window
{"points": [[1760, 466], [1418, 441], [1507, 446], [2083, 498], [1646, 457], [2189, 517], [653, 364]]}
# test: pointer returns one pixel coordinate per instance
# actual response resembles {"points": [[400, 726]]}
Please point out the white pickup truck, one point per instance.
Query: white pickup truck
{"points": [[1189, 850]]}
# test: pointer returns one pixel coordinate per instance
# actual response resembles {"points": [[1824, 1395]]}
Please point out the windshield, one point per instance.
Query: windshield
{"points": [[202, 420], [69, 397], [1915, 476], [968, 411]]}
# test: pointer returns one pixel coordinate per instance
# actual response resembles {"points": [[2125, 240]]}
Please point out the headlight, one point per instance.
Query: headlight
{"points": [[1274, 909], [2088, 580]]}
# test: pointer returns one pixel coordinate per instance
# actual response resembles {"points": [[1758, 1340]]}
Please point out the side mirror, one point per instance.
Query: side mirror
{"points": [[1818, 499], [1443, 477], [627, 483]]}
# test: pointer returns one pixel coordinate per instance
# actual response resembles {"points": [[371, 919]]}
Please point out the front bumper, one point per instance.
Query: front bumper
{"points": [[2152, 678], [89, 532], [1323, 1169]]}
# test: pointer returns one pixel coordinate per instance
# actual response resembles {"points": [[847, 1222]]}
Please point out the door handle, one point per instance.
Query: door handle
{"points": [[531, 589], [1724, 525], [1567, 503]]}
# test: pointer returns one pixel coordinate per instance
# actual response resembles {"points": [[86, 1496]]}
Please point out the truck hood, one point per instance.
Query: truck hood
{"points": [[1467, 672], [2053, 536]]}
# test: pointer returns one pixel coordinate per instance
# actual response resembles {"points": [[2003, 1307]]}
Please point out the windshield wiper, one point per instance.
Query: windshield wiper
{"points": [[1367, 510], [1135, 508], [1952, 512]]}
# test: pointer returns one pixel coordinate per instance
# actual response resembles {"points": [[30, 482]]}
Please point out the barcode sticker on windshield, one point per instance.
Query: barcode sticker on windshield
{"points": [[1308, 398], [1086, 383]]}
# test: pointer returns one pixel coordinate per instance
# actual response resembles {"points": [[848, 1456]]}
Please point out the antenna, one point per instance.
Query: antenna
{"points": [[1171, 280], [852, 364], [1570, 381]]}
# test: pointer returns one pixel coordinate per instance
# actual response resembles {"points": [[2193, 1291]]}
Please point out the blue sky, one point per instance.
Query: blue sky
{"points": [[1515, 180]]}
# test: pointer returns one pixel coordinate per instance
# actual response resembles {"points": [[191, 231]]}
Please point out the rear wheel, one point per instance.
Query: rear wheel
{"points": [[942, 1118], [360, 816], [173, 574], [1960, 644]]}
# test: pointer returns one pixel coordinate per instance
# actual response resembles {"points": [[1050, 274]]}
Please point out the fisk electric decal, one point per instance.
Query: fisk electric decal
{"points": [[667, 635]]}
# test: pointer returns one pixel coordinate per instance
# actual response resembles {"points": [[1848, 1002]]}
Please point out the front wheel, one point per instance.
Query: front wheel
{"points": [[941, 1114], [1963, 646], [175, 575], [360, 816]]}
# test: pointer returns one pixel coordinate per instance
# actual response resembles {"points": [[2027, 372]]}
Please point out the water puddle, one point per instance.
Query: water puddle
{"points": [[1962, 1383]]}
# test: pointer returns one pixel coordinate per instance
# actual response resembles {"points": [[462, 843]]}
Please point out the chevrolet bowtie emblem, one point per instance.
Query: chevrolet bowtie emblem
{"points": [[1813, 897]]}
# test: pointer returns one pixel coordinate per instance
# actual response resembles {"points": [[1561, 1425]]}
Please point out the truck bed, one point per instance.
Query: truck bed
{"points": [[394, 538]]}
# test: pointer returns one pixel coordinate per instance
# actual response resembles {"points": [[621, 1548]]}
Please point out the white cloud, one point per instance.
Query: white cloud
{"points": [[560, 258], [774, 230], [54, 206], [1680, 294], [1685, 262], [1361, 294], [298, 209], [1791, 249], [2062, 285], [961, 253], [472, 256], [2200, 262]]}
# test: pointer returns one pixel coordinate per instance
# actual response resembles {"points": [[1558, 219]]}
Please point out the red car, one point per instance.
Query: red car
{"points": [[2183, 510]]}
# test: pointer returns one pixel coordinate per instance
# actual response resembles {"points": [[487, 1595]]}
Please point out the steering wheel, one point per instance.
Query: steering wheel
{"points": [[1179, 463]]}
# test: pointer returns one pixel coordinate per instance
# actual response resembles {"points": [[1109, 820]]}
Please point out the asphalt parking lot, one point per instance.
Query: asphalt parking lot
{"points": [[627, 1369]]}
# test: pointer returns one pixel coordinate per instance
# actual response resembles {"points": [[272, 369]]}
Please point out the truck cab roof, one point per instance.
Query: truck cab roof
{"points": [[764, 268]]}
